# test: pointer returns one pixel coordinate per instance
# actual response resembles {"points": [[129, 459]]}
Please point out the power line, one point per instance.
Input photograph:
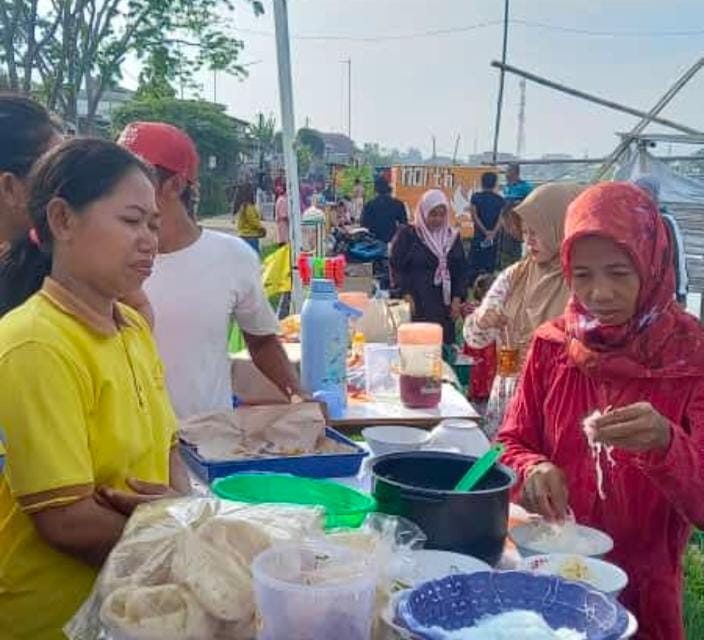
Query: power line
{"points": [[609, 34], [482, 25]]}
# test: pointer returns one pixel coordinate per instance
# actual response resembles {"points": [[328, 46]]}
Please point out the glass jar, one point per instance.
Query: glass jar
{"points": [[420, 358]]}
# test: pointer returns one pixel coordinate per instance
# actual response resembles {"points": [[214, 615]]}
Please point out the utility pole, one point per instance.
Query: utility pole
{"points": [[215, 86], [283, 55], [521, 139], [434, 149], [348, 62], [502, 78]]}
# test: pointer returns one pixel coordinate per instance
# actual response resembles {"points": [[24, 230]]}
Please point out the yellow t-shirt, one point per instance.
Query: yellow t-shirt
{"points": [[82, 404]]}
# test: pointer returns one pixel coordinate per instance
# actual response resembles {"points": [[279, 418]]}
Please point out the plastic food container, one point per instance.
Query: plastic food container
{"points": [[314, 591], [344, 506], [381, 371], [420, 350]]}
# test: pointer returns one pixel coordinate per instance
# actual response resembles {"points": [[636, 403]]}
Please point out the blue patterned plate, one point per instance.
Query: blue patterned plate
{"points": [[460, 601]]}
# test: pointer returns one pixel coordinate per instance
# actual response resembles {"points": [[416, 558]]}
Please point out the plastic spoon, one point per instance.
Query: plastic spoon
{"points": [[479, 469]]}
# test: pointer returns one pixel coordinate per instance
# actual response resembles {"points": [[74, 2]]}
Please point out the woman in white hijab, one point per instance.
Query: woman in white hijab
{"points": [[428, 266]]}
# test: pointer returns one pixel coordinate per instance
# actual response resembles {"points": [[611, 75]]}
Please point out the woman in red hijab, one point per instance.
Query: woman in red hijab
{"points": [[623, 348]]}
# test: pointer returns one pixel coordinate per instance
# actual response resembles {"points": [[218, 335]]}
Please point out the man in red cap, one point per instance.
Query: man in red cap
{"points": [[202, 280]]}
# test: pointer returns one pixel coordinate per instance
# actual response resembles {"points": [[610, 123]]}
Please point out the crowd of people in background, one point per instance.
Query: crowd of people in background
{"points": [[116, 307]]}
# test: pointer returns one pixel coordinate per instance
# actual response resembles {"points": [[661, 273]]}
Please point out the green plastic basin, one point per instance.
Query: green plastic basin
{"points": [[344, 506]]}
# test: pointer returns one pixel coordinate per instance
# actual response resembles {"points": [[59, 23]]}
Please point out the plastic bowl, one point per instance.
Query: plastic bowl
{"points": [[601, 575], [461, 601], [344, 506], [315, 591], [394, 439], [590, 542]]}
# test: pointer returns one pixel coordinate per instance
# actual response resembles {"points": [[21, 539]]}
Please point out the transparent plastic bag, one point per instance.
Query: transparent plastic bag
{"points": [[182, 570], [390, 541]]}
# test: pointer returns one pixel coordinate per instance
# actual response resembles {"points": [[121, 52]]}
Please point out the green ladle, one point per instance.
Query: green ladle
{"points": [[479, 469]]}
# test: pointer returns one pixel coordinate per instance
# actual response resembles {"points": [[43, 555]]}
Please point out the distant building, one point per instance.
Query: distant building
{"points": [[109, 102], [339, 148]]}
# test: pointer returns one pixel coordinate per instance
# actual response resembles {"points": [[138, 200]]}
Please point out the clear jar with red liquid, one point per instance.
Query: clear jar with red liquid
{"points": [[420, 357]]}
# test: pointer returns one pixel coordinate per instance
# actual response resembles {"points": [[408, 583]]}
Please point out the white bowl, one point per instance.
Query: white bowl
{"points": [[531, 541], [393, 439], [433, 564], [601, 575]]}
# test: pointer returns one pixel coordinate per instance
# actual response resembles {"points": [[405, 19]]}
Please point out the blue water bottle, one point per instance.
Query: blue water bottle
{"points": [[324, 341]]}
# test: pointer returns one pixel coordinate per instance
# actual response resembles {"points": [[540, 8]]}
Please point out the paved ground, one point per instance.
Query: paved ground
{"points": [[224, 224]]}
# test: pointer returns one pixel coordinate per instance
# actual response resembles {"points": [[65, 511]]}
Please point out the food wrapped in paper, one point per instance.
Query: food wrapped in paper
{"points": [[260, 431]]}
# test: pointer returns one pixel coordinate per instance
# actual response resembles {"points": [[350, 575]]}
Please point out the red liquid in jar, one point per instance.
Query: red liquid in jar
{"points": [[420, 392]]}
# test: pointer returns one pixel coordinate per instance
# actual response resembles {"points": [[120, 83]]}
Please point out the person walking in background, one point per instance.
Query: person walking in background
{"points": [[281, 215], [485, 207], [248, 220], [428, 267], [651, 185], [515, 191], [384, 214], [357, 200]]}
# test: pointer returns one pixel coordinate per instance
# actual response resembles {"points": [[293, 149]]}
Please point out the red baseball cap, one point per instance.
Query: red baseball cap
{"points": [[162, 145]]}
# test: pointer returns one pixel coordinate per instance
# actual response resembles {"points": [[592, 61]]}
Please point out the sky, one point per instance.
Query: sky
{"points": [[421, 68]]}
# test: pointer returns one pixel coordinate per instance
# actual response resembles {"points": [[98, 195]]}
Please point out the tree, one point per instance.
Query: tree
{"points": [[313, 140], [213, 131], [74, 45]]}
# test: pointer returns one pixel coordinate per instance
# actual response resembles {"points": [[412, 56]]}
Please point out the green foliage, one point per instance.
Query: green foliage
{"points": [[694, 591], [348, 176], [66, 46], [304, 154], [213, 131], [311, 139]]}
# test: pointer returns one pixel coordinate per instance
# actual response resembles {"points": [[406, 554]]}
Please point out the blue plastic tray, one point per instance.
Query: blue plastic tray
{"points": [[327, 465]]}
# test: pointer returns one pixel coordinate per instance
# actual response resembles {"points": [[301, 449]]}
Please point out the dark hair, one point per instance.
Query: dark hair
{"points": [[489, 181], [381, 186], [25, 131], [79, 170], [244, 194], [481, 287], [188, 196]]}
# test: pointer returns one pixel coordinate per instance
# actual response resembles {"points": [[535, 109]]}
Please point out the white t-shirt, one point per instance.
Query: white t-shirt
{"points": [[195, 292]]}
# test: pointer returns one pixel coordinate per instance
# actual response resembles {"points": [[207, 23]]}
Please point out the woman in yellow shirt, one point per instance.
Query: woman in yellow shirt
{"points": [[248, 220], [88, 426]]}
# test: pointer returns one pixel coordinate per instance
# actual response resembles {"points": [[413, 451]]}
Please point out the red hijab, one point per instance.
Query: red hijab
{"points": [[661, 340]]}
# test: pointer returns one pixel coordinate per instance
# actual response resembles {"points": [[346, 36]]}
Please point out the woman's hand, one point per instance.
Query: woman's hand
{"points": [[637, 428], [545, 491], [126, 502], [490, 318]]}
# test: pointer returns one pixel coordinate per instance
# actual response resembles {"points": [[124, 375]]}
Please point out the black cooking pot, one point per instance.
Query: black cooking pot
{"points": [[418, 485]]}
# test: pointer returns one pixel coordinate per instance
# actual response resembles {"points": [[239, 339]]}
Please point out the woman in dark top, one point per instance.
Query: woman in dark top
{"points": [[428, 267], [486, 214]]}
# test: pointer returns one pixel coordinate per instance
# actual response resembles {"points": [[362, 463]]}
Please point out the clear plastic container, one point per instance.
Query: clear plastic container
{"points": [[381, 371], [420, 350], [314, 591]]}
